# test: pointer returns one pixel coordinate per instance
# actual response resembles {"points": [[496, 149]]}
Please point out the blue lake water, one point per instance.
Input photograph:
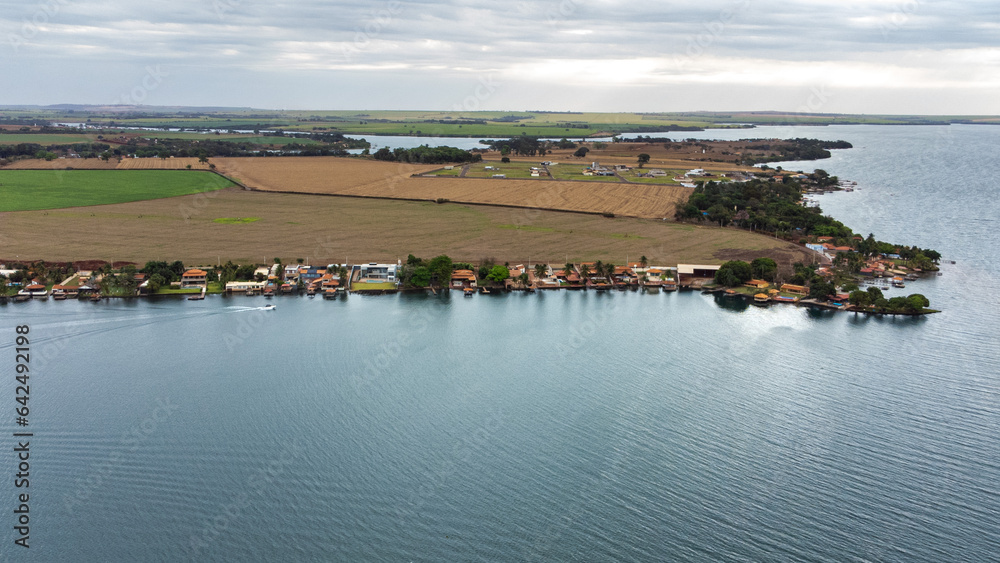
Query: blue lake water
{"points": [[552, 427]]}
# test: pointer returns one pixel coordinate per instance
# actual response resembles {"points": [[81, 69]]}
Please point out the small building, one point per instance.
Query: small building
{"points": [[378, 272], [34, 290], [194, 278], [462, 279], [309, 274], [796, 289], [689, 273], [757, 284], [244, 286]]}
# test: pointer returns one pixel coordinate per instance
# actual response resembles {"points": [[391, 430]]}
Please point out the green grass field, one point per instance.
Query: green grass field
{"points": [[520, 170], [29, 190], [252, 139], [633, 175], [236, 220], [575, 172], [45, 139]]}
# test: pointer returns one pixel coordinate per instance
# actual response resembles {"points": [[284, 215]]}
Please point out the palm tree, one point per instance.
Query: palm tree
{"points": [[584, 271], [599, 268], [568, 269], [541, 270], [643, 262]]}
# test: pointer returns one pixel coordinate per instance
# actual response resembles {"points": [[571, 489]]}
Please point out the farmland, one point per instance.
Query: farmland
{"points": [[63, 164], [22, 190], [43, 139], [334, 229], [161, 164], [358, 177]]}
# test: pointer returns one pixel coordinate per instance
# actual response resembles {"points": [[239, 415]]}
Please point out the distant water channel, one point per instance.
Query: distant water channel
{"points": [[552, 427]]}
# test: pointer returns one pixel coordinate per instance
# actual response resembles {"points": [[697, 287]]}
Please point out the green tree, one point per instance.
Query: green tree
{"points": [[763, 268], [860, 298], [720, 214], [541, 270], [584, 271], [581, 152], [874, 294], [917, 302], [441, 268], [421, 277], [498, 274], [733, 273], [820, 290], [156, 281], [643, 159]]}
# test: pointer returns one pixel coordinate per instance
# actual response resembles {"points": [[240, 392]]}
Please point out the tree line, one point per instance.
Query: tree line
{"points": [[425, 154]]}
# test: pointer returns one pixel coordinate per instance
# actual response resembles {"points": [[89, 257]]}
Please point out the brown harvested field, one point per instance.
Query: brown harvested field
{"points": [[341, 176], [329, 229], [317, 174], [161, 164], [62, 164]]}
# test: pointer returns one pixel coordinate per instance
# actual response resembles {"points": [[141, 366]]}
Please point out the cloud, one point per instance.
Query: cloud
{"points": [[580, 46]]}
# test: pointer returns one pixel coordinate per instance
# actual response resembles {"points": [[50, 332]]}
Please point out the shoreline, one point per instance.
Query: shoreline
{"points": [[446, 291]]}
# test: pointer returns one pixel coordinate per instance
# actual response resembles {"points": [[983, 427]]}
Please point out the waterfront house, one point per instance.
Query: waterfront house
{"points": [[244, 286], [695, 274], [65, 291], [624, 275], [461, 279], [309, 274], [194, 278], [796, 289], [34, 290], [572, 279], [757, 284], [378, 272]]}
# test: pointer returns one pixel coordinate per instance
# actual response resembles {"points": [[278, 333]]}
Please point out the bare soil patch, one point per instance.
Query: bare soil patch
{"points": [[334, 229]]}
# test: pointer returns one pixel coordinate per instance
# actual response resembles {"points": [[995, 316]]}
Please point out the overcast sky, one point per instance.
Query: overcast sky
{"points": [[871, 56]]}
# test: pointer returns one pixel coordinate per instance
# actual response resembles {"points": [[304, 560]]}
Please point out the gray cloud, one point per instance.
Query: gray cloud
{"points": [[668, 55]]}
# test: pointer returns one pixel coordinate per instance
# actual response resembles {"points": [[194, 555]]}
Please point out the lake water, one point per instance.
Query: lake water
{"points": [[552, 427]]}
